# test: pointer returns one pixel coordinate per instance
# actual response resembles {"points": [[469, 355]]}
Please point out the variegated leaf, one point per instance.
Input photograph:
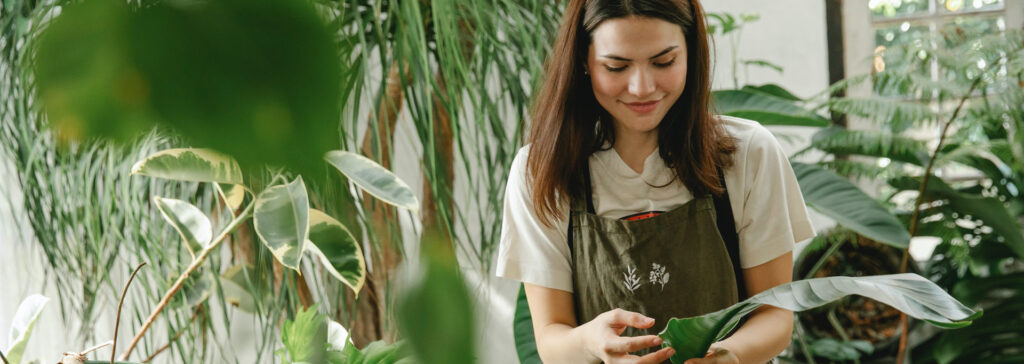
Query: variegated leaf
{"points": [[21, 327], [190, 164], [232, 194], [373, 178], [190, 222], [337, 249], [281, 219]]}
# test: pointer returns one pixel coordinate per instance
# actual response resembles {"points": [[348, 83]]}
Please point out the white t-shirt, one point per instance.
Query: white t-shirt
{"points": [[767, 205]]}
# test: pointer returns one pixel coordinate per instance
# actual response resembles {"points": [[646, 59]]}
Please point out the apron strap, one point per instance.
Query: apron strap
{"points": [[727, 228]]}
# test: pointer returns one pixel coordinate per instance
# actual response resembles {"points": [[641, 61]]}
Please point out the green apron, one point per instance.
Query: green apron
{"points": [[676, 264]]}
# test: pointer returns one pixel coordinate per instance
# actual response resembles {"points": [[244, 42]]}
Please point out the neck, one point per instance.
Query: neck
{"points": [[634, 147]]}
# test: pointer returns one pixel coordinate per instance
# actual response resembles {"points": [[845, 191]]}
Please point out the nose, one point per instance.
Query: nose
{"points": [[641, 83]]}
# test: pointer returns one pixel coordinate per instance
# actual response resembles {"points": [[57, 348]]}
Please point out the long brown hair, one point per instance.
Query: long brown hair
{"points": [[569, 125]]}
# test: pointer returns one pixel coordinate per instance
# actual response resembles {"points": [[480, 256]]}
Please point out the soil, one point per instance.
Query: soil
{"points": [[862, 318]]}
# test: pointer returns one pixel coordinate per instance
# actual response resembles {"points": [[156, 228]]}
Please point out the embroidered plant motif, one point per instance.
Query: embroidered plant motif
{"points": [[659, 275], [632, 281]]}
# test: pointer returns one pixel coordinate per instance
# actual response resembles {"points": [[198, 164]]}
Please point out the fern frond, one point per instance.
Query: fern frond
{"points": [[887, 111], [872, 143]]}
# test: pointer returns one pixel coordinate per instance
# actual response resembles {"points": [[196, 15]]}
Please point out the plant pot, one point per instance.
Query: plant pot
{"points": [[859, 317]]}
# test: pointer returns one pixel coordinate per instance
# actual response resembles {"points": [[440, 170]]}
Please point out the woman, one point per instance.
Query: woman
{"points": [[610, 215]]}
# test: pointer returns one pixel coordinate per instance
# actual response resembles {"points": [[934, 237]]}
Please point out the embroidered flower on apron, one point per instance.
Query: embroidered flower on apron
{"points": [[658, 275]]}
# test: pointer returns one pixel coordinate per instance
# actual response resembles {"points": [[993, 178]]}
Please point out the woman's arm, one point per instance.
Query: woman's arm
{"points": [[768, 330], [559, 340]]}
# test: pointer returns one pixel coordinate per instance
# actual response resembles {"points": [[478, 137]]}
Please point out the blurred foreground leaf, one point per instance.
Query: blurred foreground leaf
{"points": [[256, 79]]}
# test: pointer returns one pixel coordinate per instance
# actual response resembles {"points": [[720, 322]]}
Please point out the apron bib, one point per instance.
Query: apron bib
{"points": [[675, 264]]}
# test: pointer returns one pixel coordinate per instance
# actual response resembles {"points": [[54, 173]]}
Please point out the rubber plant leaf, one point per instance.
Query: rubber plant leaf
{"points": [[337, 249], [22, 324], [910, 293], [373, 178], [190, 222], [190, 164], [281, 219]]}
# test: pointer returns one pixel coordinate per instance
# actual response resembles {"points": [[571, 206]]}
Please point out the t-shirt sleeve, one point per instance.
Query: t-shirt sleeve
{"points": [[530, 251], [774, 216]]}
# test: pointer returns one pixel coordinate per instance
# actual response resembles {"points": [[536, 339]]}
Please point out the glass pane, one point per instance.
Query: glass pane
{"points": [[901, 48], [959, 6], [881, 9]]}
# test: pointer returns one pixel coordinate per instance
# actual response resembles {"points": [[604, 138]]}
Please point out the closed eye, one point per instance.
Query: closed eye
{"points": [[614, 69], [666, 64]]}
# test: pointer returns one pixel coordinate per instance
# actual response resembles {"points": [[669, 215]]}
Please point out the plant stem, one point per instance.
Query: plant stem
{"points": [[832, 319], [917, 206], [803, 343], [184, 275], [821, 261], [117, 320], [177, 335], [4, 358]]}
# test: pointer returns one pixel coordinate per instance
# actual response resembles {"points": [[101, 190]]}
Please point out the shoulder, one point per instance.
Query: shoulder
{"points": [[748, 133]]}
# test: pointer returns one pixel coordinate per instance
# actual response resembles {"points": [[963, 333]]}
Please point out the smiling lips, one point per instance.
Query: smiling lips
{"points": [[642, 107]]}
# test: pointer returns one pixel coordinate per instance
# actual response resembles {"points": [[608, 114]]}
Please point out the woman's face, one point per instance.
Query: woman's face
{"points": [[637, 69]]}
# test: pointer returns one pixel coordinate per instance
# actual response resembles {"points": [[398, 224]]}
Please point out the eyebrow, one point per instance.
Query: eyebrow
{"points": [[620, 58]]}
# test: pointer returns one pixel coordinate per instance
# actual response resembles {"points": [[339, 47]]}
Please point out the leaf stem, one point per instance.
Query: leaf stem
{"points": [[184, 275], [117, 320], [832, 319], [4, 358], [821, 261], [901, 352], [803, 343]]}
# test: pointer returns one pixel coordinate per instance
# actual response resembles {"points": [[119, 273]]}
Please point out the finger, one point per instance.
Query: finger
{"points": [[629, 318], [657, 356], [630, 344]]}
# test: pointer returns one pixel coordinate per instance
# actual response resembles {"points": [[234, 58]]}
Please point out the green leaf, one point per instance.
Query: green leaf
{"points": [[305, 338], [281, 219], [21, 326], [190, 222], [989, 210], [439, 327], [765, 109], [239, 290], [841, 351], [197, 288], [871, 143], [373, 178], [772, 90], [522, 327], [841, 200], [209, 70], [762, 63], [190, 164], [337, 249], [910, 293]]}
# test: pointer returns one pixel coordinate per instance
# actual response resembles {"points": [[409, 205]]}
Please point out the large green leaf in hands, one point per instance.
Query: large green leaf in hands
{"points": [[337, 249], [281, 219], [916, 296], [190, 164], [190, 222], [841, 200], [21, 327], [373, 178]]}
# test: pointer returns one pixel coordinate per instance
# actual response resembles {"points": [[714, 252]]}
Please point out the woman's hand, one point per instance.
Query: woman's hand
{"points": [[717, 355], [602, 341]]}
